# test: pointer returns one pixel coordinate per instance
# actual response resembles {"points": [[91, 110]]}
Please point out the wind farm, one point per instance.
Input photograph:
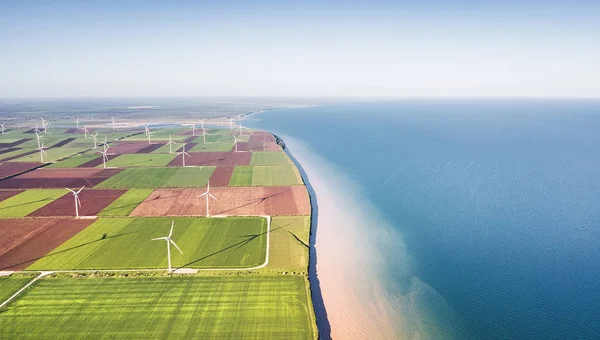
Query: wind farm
{"points": [[132, 205]]}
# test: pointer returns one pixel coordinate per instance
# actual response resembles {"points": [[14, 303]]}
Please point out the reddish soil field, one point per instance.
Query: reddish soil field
{"points": [[151, 147], [7, 150], [15, 143], [236, 201], [14, 168], [262, 137], [93, 163], [221, 176], [272, 146], [127, 147], [59, 178], [250, 146], [8, 194], [188, 147], [63, 142], [214, 159], [92, 202], [24, 241]]}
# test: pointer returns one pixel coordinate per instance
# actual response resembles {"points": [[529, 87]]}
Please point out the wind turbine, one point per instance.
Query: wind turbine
{"points": [[169, 242], [170, 144], [183, 154], [45, 125], [230, 123], [113, 122], [147, 129], [241, 129], [194, 129], [235, 142], [77, 201], [104, 155], [36, 130], [149, 133], [77, 122], [208, 194], [204, 133], [38, 137], [202, 122], [2, 125], [105, 145], [95, 137], [85, 130], [42, 152]]}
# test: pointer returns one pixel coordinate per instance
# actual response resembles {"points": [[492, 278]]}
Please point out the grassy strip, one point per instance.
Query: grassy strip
{"points": [[10, 285], [159, 178], [125, 204], [270, 158], [241, 176], [140, 160], [74, 161], [28, 201], [260, 307]]}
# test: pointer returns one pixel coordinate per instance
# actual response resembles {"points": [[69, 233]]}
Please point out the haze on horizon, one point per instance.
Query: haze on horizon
{"points": [[527, 48]]}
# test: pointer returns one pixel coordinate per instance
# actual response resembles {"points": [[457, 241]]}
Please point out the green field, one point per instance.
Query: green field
{"points": [[52, 155], [265, 175], [29, 201], [19, 152], [121, 243], [140, 160], [241, 307], [270, 158], [241, 176], [125, 204], [159, 178], [74, 161], [10, 285], [289, 242]]}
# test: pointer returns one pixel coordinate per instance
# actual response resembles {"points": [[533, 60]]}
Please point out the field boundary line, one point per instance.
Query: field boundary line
{"points": [[42, 274]]}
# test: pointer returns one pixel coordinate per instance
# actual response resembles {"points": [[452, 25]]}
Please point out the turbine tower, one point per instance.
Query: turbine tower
{"points": [[169, 242], [45, 126], [235, 142], [149, 133], [95, 137], [183, 154], [85, 130], [194, 129], [42, 152], [204, 133], [208, 194], [147, 129], [230, 123], [113, 122], [170, 144], [77, 201], [38, 137], [104, 155], [2, 125], [241, 129], [77, 122]]}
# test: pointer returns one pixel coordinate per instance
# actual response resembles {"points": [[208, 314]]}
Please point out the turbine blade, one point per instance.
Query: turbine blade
{"points": [[206, 193], [173, 243], [213, 197], [172, 225], [70, 190], [159, 238], [81, 189]]}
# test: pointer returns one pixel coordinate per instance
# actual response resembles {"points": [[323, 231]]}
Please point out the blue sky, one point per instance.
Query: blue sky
{"points": [[299, 48]]}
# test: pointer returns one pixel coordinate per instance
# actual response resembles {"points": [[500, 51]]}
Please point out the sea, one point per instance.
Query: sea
{"points": [[452, 218]]}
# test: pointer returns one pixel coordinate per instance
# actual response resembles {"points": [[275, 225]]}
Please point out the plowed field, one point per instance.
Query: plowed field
{"points": [[92, 202]]}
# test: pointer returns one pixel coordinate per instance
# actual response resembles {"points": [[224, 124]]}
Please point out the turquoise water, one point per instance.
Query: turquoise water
{"points": [[497, 202]]}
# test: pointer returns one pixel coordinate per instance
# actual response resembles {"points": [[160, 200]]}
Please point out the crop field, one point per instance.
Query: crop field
{"points": [[221, 176], [23, 241], [52, 155], [159, 177], [270, 158], [140, 160], [241, 307], [275, 175], [12, 142], [241, 201], [13, 168], [260, 136], [289, 242], [92, 201], [214, 159], [17, 153], [11, 284], [127, 147], [29, 201], [76, 161], [58, 178], [125, 204], [113, 243], [219, 146]]}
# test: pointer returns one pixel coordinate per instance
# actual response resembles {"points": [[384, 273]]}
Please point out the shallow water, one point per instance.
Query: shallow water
{"points": [[465, 219]]}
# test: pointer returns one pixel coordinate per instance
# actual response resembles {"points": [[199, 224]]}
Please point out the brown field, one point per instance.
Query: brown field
{"points": [[214, 159], [15, 143], [63, 142], [262, 137], [23, 241], [10, 169], [272, 146], [188, 147], [92, 202], [8, 194], [59, 178], [93, 163], [237, 201], [127, 147], [151, 147], [221, 176]]}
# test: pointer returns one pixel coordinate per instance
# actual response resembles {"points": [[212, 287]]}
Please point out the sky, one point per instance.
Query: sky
{"points": [[427, 48]]}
